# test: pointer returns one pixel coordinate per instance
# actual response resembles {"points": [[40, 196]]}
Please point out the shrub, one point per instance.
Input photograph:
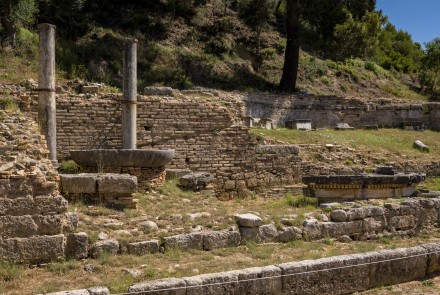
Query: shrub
{"points": [[68, 167]]}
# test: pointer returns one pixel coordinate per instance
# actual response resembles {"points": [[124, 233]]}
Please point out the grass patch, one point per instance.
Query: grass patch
{"points": [[9, 271], [68, 167], [63, 267]]}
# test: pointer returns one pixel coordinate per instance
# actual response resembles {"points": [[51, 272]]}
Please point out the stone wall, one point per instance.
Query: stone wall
{"points": [[326, 111], [333, 275], [34, 223], [205, 136]]}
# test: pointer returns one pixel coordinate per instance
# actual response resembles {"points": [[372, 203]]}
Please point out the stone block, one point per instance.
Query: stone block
{"points": [[161, 91], [221, 239], [277, 149], [400, 269], [339, 215], [71, 292], [196, 180], [76, 245], [249, 234], [110, 246], [17, 226], [83, 183], [173, 286], [268, 233], [336, 229], [144, 247], [117, 184], [248, 220], [312, 230], [402, 222], [34, 249], [29, 205], [433, 257], [185, 241], [176, 173], [98, 291], [213, 284], [326, 276], [290, 233], [252, 280], [374, 224]]}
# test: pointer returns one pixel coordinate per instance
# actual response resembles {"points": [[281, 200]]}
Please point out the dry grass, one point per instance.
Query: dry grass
{"points": [[109, 270]]}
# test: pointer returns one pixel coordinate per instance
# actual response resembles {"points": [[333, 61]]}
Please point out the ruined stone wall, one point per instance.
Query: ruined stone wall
{"points": [[34, 223], [206, 137], [326, 111]]}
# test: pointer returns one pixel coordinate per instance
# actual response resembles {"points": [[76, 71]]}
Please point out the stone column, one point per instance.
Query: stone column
{"points": [[130, 95], [46, 87]]}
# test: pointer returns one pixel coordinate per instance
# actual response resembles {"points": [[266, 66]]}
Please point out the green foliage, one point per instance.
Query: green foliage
{"points": [[63, 267], [430, 70], [68, 167], [9, 271], [301, 201]]}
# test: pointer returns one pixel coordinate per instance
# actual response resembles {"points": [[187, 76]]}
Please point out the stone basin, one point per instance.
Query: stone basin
{"points": [[122, 157]]}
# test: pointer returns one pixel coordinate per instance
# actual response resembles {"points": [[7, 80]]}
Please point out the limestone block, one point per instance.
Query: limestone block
{"points": [[402, 222], [196, 180], [117, 183], [178, 287], [83, 183], [76, 245], [356, 214], [248, 220], [433, 258], [374, 224], [211, 284], [71, 292], [34, 249], [400, 269], [289, 234], [110, 246], [250, 280], [17, 226], [249, 234], [428, 217], [98, 291], [162, 91], [221, 239], [312, 230], [336, 229], [142, 248], [185, 241], [327, 275], [176, 173], [374, 211], [277, 149], [339, 215], [268, 233], [29, 205]]}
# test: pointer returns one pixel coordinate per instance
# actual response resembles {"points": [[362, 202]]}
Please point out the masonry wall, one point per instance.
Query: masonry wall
{"points": [[206, 137], [326, 111]]}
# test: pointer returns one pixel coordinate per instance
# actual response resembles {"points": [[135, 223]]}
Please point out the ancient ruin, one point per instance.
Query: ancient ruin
{"points": [[383, 184]]}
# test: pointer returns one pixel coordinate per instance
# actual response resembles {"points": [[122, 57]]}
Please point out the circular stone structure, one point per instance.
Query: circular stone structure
{"points": [[122, 157]]}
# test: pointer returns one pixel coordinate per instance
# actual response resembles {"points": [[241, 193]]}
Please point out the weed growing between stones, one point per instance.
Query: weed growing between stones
{"points": [[9, 271], [68, 167], [63, 267]]}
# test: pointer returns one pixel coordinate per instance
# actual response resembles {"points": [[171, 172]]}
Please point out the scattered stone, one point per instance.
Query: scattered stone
{"points": [[344, 239], [162, 91], [90, 268], [142, 248], [248, 220], [110, 246], [420, 146], [102, 236], [98, 291], [132, 272], [197, 215], [197, 228], [149, 226], [196, 180]]}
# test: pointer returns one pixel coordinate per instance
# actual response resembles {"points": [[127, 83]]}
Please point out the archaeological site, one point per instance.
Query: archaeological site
{"points": [[202, 190]]}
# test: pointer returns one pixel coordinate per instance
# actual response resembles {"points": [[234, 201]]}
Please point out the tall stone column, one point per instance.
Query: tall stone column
{"points": [[46, 87], [130, 95]]}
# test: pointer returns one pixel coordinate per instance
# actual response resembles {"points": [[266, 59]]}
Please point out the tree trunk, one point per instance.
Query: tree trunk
{"points": [[8, 24], [291, 56]]}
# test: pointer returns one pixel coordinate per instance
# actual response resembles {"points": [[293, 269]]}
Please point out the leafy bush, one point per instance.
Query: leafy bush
{"points": [[68, 167]]}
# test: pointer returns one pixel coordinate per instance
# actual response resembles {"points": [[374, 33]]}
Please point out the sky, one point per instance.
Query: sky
{"points": [[420, 18]]}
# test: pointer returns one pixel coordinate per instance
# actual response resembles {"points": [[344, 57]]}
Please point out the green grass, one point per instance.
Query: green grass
{"points": [[9, 271], [395, 141]]}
